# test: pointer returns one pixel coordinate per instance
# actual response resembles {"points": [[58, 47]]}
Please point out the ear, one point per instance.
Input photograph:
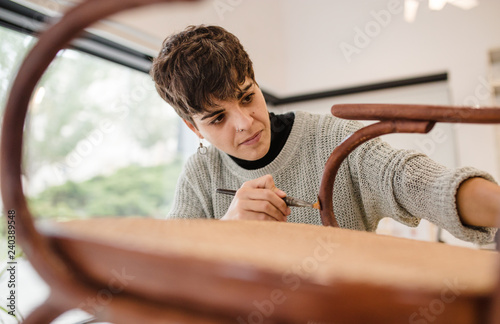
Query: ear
{"points": [[193, 128]]}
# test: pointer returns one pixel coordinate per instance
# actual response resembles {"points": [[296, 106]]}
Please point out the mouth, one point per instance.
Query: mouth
{"points": [[252, 139]]}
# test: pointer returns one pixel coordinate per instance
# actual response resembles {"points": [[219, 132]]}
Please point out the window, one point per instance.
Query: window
{"points": [[99, 142]]}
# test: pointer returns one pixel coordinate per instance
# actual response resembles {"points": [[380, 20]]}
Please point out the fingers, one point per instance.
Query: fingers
{"points": [[263, 201], [264, 182], [259, 199]]}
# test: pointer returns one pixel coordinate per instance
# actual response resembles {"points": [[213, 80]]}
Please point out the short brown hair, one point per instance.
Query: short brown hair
{"points": [[198, 65]]}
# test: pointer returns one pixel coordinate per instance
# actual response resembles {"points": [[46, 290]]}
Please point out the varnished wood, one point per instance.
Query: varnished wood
{"points": [[447, 114], [325, 275], [416, 113], [49, 310]]}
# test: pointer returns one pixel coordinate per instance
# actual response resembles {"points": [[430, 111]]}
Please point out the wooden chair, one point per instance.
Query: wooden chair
{"points": [[205, 271]]}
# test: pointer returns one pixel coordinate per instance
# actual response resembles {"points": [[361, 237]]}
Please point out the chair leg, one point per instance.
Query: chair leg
{"points": [[45, 313], [494, 317]]}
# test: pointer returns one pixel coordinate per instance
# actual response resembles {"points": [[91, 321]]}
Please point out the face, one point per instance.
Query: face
{"points": [[239, 127]]}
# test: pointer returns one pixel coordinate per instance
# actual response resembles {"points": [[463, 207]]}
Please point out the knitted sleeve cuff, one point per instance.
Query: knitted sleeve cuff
{"points": [[476, 234]]}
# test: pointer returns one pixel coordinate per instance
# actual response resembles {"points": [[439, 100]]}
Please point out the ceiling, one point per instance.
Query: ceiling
{"points": [[296, 45], [146, 27]]}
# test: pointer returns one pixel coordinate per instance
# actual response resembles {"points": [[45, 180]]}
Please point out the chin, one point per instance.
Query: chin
{"points": [[255, 157], [254, 154]]}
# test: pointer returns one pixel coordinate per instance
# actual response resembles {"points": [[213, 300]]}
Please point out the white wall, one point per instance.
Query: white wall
{"points": [[438, 144], [296, 48], [451, 40]]}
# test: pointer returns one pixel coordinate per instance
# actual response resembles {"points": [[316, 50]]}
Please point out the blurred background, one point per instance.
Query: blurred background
{"points": [[100, 142]]}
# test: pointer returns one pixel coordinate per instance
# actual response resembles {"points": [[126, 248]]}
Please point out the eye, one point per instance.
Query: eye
{"points": [[217, 120], [247, 99]]}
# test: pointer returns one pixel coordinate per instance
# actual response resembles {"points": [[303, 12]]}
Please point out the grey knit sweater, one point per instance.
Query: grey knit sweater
{"points": [[375, 181]]}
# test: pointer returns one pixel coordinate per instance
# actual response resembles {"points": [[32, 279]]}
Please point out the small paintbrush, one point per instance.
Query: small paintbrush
{"points": [[290, 201]]}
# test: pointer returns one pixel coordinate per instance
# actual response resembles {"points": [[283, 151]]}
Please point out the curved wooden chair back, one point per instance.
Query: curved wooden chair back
{"points": [[184, 271]]}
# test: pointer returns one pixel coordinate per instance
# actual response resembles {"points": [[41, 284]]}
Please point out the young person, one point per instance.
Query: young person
{"points": [[205, 74]]}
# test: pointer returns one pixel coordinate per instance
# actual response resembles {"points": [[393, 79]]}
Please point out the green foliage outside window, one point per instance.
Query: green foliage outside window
{"points": [[131, 191], [83, 109]]}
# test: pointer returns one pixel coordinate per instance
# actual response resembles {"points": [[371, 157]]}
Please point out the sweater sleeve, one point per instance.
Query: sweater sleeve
{"points": [[408, 186]]}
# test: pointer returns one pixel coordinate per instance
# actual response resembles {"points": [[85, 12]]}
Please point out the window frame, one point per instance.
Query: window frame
{"points": [[29, 21]]}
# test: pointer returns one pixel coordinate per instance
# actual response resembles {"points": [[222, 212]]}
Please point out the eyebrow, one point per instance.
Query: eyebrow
{"points": [[244, 90], [211, 114], [216, 112]]}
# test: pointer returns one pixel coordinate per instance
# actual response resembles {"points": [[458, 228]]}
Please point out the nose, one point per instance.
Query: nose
{"points": [[242, 119]]}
